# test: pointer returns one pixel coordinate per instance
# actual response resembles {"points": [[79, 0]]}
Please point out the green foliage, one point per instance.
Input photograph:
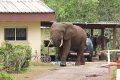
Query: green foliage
{"points": [[114, 74], [85, 10], [109, 10], [88, 10], [5, 76], [45, 50], [118, 39], [74, 10], [16, 56]]}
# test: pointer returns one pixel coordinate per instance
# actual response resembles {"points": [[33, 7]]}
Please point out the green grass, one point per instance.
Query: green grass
{"points": [[5, 76], [114, 74]]}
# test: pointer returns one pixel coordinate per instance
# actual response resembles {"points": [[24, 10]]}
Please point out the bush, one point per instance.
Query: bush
{"points": [[1, 55], [5, 76], [16, 56]]}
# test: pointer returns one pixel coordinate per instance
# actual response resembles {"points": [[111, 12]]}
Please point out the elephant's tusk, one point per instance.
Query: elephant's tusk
{"points": [[61, 43], [49, 43]]}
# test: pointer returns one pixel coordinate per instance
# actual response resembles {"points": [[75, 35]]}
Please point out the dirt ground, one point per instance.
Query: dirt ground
{"points": [[34, 71], [89, 71]]}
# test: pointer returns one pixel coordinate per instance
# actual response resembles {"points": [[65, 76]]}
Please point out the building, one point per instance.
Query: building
{"points": [[20, 21]]}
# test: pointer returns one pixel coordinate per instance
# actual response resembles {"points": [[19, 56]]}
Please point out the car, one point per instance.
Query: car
{"points": [[88, 53]]}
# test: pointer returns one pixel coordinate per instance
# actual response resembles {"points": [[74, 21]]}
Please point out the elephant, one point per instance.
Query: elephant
{"points": [[66, 37]]}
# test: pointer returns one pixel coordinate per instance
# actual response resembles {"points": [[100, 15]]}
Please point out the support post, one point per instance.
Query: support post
{"points": [[108, 56], [102, 34], [114, 38], [114, 43], [92, 32]]}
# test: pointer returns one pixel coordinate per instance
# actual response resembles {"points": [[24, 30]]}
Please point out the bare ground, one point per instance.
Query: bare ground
{"points": [[89, 71], [34, 71]]}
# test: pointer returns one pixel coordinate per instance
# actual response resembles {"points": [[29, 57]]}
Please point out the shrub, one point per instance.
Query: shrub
{"points": [[17, 56], [5, 76], [1, 55]]}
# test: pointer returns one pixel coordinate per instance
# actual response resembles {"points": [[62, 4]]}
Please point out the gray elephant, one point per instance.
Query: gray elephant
{"points": [[66, 37]]}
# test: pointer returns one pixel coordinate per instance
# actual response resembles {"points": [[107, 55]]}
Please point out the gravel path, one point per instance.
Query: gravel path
{"points": [[89, 71]]}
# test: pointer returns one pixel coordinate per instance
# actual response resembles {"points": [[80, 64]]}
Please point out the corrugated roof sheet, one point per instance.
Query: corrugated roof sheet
{"points": [[24, 6]]}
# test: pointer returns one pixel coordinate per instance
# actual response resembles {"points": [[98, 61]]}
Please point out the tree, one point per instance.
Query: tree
{"points": [[74, 10], [109, 10]]}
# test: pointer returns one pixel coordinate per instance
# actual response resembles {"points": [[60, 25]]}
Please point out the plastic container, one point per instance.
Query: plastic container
{"points": [[118, 64]]}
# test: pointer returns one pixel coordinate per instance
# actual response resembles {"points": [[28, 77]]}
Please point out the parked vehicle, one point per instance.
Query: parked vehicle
{"points": [[88, 53]]}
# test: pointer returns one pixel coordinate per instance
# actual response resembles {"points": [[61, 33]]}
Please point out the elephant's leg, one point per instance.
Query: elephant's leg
{"points": [[60, 51], [77, 63], [66, 49], [80, 58]]}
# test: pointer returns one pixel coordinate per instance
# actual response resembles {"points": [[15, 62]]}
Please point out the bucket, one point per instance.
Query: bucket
{"points": [[118, 64]]}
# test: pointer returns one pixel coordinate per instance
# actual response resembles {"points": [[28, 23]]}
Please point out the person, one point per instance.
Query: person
{"points": [[94, 44], [89, 43]]}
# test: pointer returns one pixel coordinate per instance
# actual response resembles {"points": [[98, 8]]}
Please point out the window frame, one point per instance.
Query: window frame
{"points": [[15, 33], [6, 37]]}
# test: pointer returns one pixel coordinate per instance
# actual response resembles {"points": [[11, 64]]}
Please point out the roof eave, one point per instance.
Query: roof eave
{"points": [[24, 12], [42, 16], [88, 25]]}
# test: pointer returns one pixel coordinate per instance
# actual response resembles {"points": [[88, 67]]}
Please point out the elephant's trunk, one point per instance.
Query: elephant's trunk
{"points": [[61, 43], [57, 39]]}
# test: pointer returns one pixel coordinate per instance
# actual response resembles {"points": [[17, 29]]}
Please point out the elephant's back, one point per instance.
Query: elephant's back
{"points": [[79, 29], [79, 39], [80, 32]]}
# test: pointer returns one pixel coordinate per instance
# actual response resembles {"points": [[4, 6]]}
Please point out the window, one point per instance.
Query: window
{"points": [[20, 33], [15, 34], [9, 34]]}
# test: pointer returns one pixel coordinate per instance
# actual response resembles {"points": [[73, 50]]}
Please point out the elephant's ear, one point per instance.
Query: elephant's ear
{"points": [[69, 31]]}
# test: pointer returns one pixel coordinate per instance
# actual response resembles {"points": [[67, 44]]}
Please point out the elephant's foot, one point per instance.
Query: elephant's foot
{"points": [[83, 63], [62, 64], [78, 64]]}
